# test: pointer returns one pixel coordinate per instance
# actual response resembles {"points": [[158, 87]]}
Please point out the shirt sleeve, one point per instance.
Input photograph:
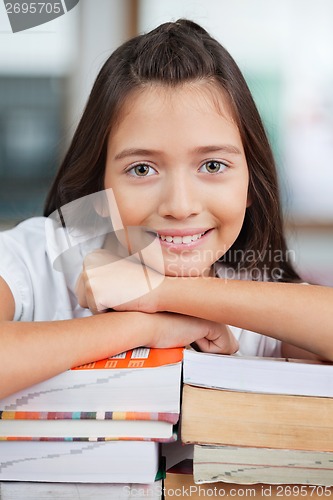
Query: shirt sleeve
{"points": [[255, 344], [14, 271]]}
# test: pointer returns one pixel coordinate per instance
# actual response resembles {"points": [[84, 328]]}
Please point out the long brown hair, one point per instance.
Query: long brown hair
{"points": [[172, 54]]}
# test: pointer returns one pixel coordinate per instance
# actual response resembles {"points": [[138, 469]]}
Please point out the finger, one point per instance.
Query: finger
{"points": [[90, 296], [85, 295], [219, 340]]}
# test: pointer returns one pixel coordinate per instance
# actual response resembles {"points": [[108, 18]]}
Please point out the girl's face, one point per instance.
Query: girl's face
{"points": [[176, 165]]}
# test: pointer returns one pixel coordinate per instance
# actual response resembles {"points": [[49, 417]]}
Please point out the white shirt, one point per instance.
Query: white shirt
{"points": [[43, 293], [40, 292]]}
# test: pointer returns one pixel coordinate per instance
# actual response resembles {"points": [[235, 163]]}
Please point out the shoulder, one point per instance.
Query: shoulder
{"points": [[24, 244], [22, 251], [26, 231], [28, 271], [35, 224], [41, 269]]}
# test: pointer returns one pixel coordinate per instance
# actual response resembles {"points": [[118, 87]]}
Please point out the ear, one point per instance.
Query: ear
{"points": [[101, 206]]}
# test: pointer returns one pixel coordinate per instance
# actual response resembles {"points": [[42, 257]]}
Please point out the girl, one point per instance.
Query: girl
{"points": [[171, 130]]}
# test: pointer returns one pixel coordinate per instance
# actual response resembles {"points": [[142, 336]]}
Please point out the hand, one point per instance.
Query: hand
{"points": [[177, 330], [125, 284]]}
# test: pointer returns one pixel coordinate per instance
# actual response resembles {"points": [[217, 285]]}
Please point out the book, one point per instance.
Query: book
{"points": [[75, 461], [89, 429], [102, 422], [179, 482], [255, 374], [213, 416], [79, 491], [249, 465], [140, 380], [258, 420]]}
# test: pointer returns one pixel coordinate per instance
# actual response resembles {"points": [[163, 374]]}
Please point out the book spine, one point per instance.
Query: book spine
{"points": [[82, 415], [93, 439]]}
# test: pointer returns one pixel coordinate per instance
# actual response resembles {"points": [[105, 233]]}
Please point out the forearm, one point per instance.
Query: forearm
{"points": [[32, 352], [297, 314]]}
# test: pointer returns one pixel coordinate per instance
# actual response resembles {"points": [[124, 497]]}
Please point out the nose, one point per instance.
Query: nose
{"points": [[180, 198]]}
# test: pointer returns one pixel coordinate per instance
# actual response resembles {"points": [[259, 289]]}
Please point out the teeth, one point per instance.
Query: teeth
{"points": [[180, 239], [177, 239]]}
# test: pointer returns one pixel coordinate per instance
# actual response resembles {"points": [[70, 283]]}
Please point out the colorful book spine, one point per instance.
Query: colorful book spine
{"points": [[90, 439], [82, 415]]}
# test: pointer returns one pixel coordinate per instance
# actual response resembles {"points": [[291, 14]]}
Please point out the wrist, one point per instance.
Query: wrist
{"points": [[121, 331], [166, 294], [142, 327], [173, 295]]}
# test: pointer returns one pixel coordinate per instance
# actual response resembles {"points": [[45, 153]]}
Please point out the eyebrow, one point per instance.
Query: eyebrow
{"points": [[135, 152], [223, 148]]}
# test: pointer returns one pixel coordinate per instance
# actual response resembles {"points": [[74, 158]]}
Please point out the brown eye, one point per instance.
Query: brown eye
{"points": [[141, 170], [213, 167]]}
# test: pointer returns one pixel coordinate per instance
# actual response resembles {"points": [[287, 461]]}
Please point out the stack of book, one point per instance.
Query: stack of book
{"points": [[179, 483], [98, 423], [258, 420]]}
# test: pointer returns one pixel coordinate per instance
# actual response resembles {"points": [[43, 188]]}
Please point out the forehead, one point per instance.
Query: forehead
{"points": [[207, 97]]}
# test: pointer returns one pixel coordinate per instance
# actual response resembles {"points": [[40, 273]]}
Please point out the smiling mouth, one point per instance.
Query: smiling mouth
{"points": [[178, 240]]}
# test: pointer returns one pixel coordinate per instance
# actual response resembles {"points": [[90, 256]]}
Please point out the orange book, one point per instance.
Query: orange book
{"points": [[141, 357], [140, 384]]}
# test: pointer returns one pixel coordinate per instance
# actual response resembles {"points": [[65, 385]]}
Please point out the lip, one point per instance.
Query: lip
{"points": [[182, 232]]}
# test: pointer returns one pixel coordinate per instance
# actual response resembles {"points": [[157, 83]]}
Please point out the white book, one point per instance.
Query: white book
{"points": [[79, 491], [79, 462], [140, 380], [253, 374], [87, 429]]}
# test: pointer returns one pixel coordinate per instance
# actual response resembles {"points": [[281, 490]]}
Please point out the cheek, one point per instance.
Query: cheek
{"points": [[132, 210], [127, 211], [230, 206]]}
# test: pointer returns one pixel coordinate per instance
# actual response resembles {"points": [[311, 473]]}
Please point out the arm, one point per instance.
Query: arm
{"points": [[31, 352], [298, 315], [34, 351], [301, 315]]}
